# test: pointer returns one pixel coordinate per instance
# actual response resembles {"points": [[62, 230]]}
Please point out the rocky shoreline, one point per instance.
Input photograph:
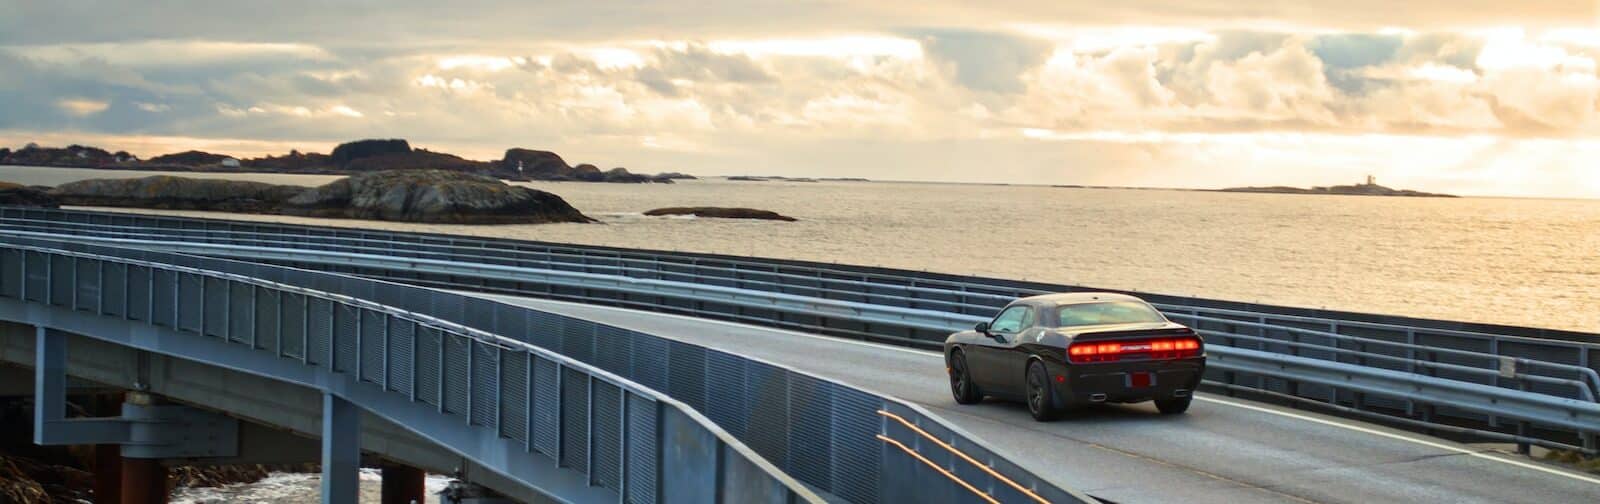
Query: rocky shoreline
{"points": [[424, 196], [361, 156]]}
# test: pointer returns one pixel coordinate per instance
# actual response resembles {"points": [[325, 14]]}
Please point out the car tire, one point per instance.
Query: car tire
{"points": [[1041, 396], [961, 384], [1173, 406]]}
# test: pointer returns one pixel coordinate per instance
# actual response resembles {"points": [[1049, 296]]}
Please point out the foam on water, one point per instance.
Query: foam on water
{"points": [[293, 488]]}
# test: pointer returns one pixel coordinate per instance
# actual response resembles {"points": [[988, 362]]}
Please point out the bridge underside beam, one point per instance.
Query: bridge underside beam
{"points": [[270, 408]]}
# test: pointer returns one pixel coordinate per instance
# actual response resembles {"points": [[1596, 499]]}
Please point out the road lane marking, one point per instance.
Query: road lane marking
{"points": [[1391, 435]]}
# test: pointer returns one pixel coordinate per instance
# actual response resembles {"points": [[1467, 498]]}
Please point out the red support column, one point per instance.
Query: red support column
{"points": [[403, 485], [144, 481], [107, 458], [108, 474]]}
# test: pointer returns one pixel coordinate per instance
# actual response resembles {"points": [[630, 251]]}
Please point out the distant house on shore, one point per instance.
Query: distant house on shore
{"points": [[229, 163]]}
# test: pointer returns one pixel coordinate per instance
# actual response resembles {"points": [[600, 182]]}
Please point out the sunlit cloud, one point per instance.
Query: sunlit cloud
{"points": [[478, 62], [171, 52], [838, 47], [153, 107], [83, 106]]}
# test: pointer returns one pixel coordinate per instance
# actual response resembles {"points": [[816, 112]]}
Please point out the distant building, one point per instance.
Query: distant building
{"points": [[1371, 180], [229, 163]]}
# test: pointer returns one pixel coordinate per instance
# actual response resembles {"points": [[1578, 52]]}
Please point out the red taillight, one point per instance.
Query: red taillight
{"points": [[1175, 348]]}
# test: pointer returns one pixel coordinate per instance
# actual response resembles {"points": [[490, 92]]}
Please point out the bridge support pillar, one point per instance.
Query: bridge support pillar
{"points": [[403, 485], [144, 481], [107, 473], [341, 450]]}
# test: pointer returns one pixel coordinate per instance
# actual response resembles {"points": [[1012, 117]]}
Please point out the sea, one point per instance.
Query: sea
{"points": [[1514, 261]]}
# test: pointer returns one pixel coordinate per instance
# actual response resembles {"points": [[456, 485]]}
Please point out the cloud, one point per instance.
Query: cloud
{"points": [[82, 106], [985, 61], [734, 82]]}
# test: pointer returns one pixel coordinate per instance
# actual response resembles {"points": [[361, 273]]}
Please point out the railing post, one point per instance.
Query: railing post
{"points": [[1411, 366], [561, 430], [528, 403], [622, 445], [588, 431], [1522, 426], [341, 450], [471, 377], [361, 353]]}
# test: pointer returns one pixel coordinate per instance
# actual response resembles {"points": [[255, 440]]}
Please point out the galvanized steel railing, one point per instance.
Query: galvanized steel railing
{"points": [[555, 385], [582, 418]]}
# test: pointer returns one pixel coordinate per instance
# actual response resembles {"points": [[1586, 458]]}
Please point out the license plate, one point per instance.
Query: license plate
{"points": [[1140, 380]]}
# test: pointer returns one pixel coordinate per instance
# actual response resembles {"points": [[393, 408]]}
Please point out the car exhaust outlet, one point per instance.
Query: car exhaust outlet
{"points": [[1180, 393], [1097, 398]]}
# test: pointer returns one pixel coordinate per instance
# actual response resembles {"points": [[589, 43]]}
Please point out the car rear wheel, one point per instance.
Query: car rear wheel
{"points": [[1041, 396], [1174, 406], [961, 385]]}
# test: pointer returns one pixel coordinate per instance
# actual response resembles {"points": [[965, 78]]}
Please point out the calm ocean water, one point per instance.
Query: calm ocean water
{"points": [[1510, 261]]}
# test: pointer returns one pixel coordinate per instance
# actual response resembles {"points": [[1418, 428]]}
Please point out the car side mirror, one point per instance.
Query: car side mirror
{"points": [[982, 327]]}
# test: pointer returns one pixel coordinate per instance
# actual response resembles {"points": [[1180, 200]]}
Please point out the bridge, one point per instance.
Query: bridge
{"points": [[554, 372]]}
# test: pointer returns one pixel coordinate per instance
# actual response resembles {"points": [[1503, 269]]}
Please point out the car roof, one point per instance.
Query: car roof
{"points": [[1068, 298]]}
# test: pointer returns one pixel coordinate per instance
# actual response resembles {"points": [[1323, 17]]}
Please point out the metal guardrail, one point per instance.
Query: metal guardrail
{"points": [[1538, 365], [819, 432], [583, 418]]}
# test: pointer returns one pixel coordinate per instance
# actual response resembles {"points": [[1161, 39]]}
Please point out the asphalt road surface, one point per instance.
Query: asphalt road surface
{"points": [[1223, 450]]}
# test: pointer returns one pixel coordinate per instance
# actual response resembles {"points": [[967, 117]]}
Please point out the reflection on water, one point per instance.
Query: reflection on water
{"points": [[1512, 261]]}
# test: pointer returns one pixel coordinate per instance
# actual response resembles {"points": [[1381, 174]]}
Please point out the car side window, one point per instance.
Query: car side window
{"points": [[1011, 320]]}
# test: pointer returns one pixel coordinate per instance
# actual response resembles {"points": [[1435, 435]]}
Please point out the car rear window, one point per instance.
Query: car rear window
{"points": [[1109, 312]]}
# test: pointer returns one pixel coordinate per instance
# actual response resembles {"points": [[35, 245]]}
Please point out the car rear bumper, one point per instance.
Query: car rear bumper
{"points": [[1116, 381]]}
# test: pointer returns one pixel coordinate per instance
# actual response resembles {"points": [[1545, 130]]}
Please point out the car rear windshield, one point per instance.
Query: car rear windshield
{"points": [[1110, 312]]}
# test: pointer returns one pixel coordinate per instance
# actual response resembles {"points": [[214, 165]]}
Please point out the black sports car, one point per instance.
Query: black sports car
{"points": [[1062, 350]]}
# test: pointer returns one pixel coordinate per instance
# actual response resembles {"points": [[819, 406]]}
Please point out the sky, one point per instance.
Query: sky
{"points": [[1466, 96]]}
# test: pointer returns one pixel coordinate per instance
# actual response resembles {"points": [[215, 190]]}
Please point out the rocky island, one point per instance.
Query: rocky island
{"points": [[722, 213], [348, 158], [432, 196], [1370, 188], [21, 195], [427, 196]]}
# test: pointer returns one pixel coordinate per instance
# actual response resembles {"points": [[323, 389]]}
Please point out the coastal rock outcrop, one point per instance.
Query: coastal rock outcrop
{"points": [[189, 158], [1368, 189], [723, 213], [177, 193], [72, 155], [349, 157], [433, 196], [351, 151], [21, 195], [419, 159], [536, 164]]}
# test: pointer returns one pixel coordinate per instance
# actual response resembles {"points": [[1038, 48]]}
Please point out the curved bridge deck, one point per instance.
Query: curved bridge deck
{"points": [[1224, 450]]}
